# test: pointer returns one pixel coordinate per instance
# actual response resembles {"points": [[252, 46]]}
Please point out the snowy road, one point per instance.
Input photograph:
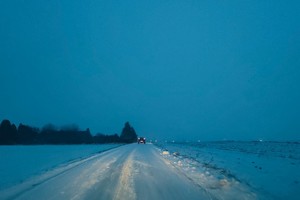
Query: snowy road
{"points": [[128, 172]]}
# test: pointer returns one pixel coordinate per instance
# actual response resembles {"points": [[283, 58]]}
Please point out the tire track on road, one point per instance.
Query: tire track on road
{"points": [[125, 188]]}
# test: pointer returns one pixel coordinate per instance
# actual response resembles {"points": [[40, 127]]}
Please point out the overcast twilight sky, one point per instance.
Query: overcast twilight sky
{"points": [[175, 69]]}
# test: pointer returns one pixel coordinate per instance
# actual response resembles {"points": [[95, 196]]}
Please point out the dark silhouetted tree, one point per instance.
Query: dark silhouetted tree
{"points": [[8, 133], [84, 137], [27, 134], [70, 127], [102, 138], [67, 135], [49, 134], [128, 134]]}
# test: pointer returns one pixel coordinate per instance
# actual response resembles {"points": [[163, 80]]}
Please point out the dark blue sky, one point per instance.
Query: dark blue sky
{"points": [[175, 69]]}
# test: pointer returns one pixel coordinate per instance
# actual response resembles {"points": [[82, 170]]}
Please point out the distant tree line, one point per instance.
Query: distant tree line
{"points": [[49, 134]]}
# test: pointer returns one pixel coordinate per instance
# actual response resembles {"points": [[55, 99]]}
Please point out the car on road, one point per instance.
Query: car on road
{"points": [[141, 140]]}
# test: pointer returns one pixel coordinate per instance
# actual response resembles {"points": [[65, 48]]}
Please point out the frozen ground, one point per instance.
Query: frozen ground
{"points": [[18, 163], [233, 171], [270, 170]]}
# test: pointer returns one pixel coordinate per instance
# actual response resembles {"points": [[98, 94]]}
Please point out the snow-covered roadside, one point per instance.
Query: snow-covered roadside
{"points": [[18, 163], [266, 169]]}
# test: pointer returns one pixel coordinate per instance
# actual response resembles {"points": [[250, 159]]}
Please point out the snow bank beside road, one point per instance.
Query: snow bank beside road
{"points": [[267, 169], [18, 163]]}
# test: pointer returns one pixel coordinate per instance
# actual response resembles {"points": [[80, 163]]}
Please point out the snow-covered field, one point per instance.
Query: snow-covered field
{"points": [[18, 163], [270, 170]]}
